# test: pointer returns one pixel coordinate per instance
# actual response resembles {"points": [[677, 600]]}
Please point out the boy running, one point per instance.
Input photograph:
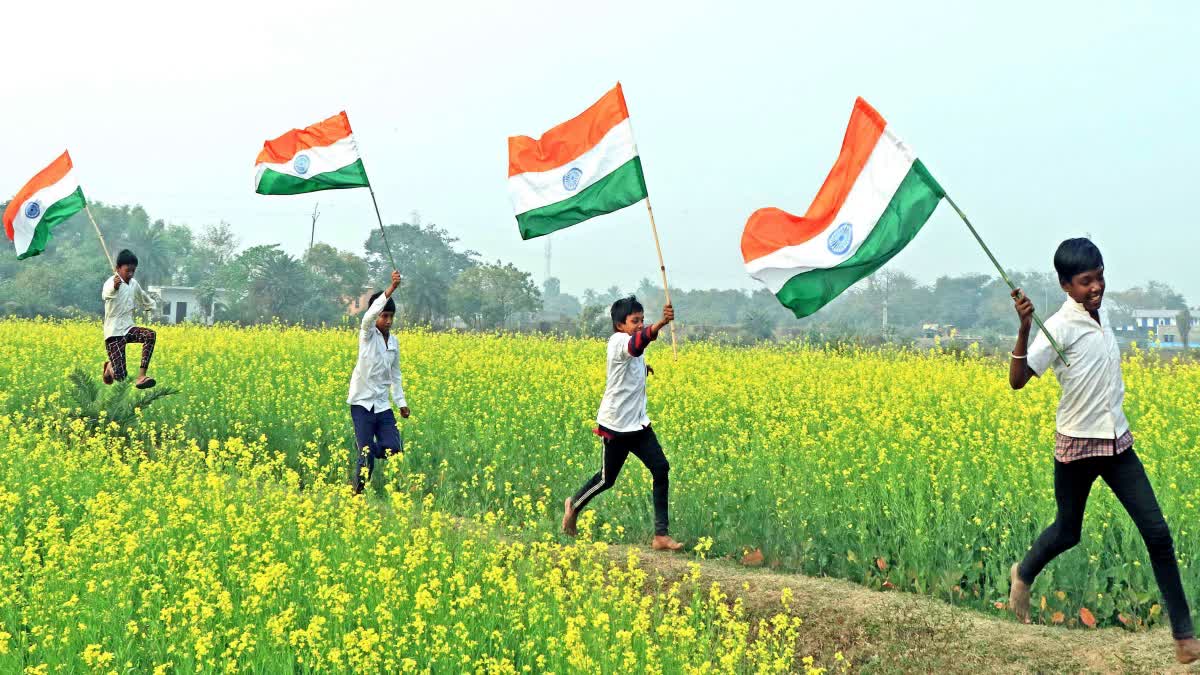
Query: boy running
{"points": [[1092, 438], [622, 423], [121, 294], [375, 375]]}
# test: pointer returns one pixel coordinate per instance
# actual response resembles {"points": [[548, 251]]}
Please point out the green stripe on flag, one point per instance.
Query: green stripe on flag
{"points": [[909, 209], [55, 214], [349, 176], [615, 191]]}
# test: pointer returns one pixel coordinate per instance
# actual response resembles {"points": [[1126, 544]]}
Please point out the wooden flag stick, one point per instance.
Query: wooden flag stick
{"points": [[1040, 325], [101, 235], [662, 268]]}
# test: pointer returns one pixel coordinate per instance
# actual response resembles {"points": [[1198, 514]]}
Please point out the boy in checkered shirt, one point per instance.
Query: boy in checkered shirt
{"points": [[1092, 436]]}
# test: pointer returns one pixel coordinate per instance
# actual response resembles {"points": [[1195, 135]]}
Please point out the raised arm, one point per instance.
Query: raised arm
{"points": [[376, 307], [643, 338], [1019, 372]]}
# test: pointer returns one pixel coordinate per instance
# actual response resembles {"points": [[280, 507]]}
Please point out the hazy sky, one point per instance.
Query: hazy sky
{"points": [[1044, 120]]}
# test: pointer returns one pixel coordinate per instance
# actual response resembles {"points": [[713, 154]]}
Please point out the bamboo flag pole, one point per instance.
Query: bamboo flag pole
{"points": [[103, 245], [381, 229], [1040, 325], [662, 268]]}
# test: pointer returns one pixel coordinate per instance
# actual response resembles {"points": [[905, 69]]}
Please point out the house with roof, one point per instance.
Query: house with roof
{"points": [[177, 304]]}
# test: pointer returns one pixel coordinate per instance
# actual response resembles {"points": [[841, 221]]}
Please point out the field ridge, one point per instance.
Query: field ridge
{"points": [[881, 631]]}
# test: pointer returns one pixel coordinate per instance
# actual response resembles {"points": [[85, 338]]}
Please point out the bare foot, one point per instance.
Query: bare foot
{"points": [[664, 542], [1018, 596], [107, 373], [568, 524], [1187, 651]]}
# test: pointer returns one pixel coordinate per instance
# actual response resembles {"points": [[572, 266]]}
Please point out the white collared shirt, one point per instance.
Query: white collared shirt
{"points": [[623, 407], [1093, 392], [378, 369], [119, 304]]}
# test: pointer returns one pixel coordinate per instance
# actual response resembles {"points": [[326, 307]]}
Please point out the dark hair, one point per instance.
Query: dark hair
{"points": [[1076, 256], [622, 308], [126, 257], [389, 307]]}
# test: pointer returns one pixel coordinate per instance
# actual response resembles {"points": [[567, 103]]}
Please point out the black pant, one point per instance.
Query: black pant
{"points": [[645, 446], [1127, 479], [377, 437]]}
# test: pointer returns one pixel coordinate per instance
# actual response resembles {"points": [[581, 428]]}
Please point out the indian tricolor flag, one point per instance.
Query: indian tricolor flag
{"points": [[50, 198], [321, 157], [582, 168], [874, 201]]}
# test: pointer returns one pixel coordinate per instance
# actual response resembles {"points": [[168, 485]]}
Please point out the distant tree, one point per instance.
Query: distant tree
{"points": [[211, 251], [429, 261], [956, 300], [346, 272], [488, 295], [268, 284], [411, 244], [996, 305], [425, 293], [595, 320], [1154, 295], [1184, 321]]}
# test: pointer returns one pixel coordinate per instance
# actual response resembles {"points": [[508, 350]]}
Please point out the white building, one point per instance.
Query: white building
{"points": [[177, 304], [1164, 324], [1153, 318]]}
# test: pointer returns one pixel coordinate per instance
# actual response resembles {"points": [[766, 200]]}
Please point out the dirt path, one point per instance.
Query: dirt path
{"points": [[903, 632]]}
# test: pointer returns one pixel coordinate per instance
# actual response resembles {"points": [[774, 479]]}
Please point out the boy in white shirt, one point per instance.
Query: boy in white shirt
{"points": [[622, 423], [1092, 437], [376, 374], [121, 295]]}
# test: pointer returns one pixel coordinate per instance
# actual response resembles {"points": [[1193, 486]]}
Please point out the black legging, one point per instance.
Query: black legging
{"points": [[643, 444], [115, 346], [1127, 479]]}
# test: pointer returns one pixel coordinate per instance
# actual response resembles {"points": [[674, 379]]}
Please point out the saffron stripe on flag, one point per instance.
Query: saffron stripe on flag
{"points": [[569, 140], [863, 134], [323, 133]]}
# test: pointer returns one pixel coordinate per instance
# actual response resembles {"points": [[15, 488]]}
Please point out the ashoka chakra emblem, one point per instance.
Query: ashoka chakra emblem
{"points": [[301, 164], [841, 238], [33, 210], [571, 179]]}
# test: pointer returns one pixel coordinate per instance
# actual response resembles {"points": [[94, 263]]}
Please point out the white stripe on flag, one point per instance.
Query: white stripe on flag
{"points": [[535, 189], [23, 227], [318, 160]]}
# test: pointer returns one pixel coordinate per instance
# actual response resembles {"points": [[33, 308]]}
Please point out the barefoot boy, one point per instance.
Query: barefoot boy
{"points": [[375, 375], [121, 294], [622, 423], [1092, 438]]}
